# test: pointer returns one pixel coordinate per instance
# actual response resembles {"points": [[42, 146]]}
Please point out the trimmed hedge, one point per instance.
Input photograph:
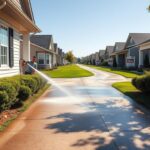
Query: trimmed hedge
{"points": [[17, 89], [24, 93], [142, 83]]}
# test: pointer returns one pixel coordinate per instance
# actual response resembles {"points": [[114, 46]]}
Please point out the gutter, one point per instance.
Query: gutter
{"points": [[3, 5]]}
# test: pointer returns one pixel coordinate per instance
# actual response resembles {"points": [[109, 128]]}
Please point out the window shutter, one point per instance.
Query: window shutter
{"points": [[11, 48]]}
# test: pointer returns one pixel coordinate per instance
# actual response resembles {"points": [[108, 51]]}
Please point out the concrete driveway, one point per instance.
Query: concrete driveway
{"points": [[94, 117]]}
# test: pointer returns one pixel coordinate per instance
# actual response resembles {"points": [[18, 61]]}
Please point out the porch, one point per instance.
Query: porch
{"points": [[144, 55]]}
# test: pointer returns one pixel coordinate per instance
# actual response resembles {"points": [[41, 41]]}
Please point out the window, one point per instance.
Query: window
{"points": [[3, 46], [47, 59], [41, 58]]}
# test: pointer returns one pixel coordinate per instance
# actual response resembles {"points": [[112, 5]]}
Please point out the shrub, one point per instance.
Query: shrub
{"points": [[142, 83], [3, 100], [29, 82], [14, 90], [24, 93], [14, 81], [104, 63], [11, 91]]}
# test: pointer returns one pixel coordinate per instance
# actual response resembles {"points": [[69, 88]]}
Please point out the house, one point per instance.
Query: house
{"points": [[65, 62], [144, 52], [16, 18], [101, 55], [119, 54], [92, 57], [108, 52], [134, 55], [56, 53], [60, 60], [42, 47], [97, 59]]}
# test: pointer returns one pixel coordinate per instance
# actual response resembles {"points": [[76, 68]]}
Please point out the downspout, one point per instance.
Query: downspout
{"points": [[3, 5]]}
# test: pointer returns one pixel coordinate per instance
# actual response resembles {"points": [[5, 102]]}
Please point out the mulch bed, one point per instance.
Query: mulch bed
{"points": [[7, 115]]}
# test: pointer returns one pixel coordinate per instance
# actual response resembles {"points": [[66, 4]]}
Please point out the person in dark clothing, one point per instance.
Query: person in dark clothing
{"points": [[32, 63]]}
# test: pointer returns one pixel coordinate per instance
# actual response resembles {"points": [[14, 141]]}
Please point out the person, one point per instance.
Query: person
{"points": [[32, 63]]}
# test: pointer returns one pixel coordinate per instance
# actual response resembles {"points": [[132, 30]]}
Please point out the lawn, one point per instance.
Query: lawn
{"points": [[69, 71], [128, 89], [125, 73]]}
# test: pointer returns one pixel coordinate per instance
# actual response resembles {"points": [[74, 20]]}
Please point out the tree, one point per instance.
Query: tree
{"points": [[70, 57], [146, 61], [148, 8]]}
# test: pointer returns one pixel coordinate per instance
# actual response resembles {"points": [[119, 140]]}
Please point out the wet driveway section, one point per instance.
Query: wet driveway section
{"points": [[94, 116]]}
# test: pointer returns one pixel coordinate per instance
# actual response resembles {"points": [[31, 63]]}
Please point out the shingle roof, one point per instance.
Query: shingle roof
{"points": [[119, 46], [109, 49], [140, 37], [101, 52], [41, 40], [55, 46]]}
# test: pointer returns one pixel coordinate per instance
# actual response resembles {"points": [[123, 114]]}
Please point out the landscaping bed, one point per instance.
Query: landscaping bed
{"points": [[125, 73], [68, 71], [17, 94]]}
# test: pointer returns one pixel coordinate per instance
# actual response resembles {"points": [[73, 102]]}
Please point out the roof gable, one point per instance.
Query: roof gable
{"points": [[136, 38], [25, 6], [101, 52], [109, 49], [42, 40], [119, 46]]}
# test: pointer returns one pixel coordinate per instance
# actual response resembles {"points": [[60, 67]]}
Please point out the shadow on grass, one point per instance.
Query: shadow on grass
{"points": [[140, 97]]}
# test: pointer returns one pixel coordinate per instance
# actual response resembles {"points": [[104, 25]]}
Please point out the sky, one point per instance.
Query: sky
{"points": [[87, 26]]}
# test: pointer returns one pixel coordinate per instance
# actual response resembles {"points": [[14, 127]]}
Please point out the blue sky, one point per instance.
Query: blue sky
{"points": [[85, 26]]}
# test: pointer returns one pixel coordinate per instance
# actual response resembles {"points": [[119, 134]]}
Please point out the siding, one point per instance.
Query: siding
{"points": [[135, 53], [15, 70], [33, 52]]}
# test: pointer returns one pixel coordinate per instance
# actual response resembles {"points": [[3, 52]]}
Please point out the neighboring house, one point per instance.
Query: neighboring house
{"points": [[119, 54], [101, 55], [93, 59], [56, 53], [65, 62], [144, 51], [108, 52], [42, 47], [133, 51], [97, 59], [60, 60], [16, 18]]}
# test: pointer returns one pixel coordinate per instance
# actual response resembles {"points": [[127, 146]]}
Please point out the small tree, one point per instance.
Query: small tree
{"points": [[114, 62], [70, 57], [146, 61]]}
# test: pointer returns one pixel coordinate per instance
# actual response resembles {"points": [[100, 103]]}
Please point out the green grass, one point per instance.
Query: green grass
{"points": [[124, 73], [69, 71], [128, 89], [25, 106]]}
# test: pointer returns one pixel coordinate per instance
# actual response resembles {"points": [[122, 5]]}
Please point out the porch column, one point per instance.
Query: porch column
{"points": [[117, 60], [26, 47], [140, 59]]}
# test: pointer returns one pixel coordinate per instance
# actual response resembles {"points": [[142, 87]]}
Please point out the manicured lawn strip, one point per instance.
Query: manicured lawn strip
{"points": [[25, 106], [124, 73], [128, 89], [69, 71]]}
